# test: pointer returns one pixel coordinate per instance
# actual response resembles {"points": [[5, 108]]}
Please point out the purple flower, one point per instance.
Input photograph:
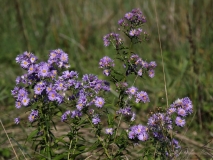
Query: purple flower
{"points": [[143, 136], [112, 37], [140, 72], [80, 106], [18, 104], [53, 55], [25, 64], [152, 64], [180, 122], [60, 85], [106, 72], [59, 98], [120, 22], [76, 113], [38, 89], [138, 131], [25, 101], [64, 116], [96, 119], [187, 105], [64, 57], [106, 62], [33, 58], [151, 73], [131, 91], [99, 102], [175, 143], [131, 135], [109, 131], [49, 88], [52, 95], [17, 120], [43, 70], [33, 115], [171, 110], [142, 96], [125, 111], [133, 32], [32, 68], [128, 15], [181, 112]]}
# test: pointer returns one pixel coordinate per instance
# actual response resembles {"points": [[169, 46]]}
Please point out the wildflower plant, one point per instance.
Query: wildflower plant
{"points": [[50, 92]]}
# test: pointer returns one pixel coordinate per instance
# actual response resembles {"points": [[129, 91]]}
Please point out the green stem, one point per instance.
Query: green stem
{"points": [[99, 138], [68, 156]]}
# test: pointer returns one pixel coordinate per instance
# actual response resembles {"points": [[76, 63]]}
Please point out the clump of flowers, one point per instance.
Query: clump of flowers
{"points": [[49, 89]]}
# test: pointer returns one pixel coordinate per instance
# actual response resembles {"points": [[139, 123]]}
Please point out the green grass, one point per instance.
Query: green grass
{"points": [[77, 27]]}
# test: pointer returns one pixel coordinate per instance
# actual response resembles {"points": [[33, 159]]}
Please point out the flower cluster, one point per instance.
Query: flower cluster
{"points": [[159, 123], [43, 83], [106, 63], [127, 112], [132, 22], [112, 37], [138, 66], [139, 96], [138, 132]]}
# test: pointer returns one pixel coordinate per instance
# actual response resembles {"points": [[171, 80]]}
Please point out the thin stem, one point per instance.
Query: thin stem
{"points": [[9, 139], [99, 138], [164, 76], [68, 156]]}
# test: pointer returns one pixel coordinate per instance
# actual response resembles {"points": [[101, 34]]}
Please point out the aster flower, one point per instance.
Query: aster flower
{"points": [[52, 55], [139, 132], [38, 89], [181, 112], [17, 120], [99, 102], [121, 21], [96, 119], [142, 96], [25, 64], [131, 91], [106, 62], [59, 98], [32, 68], [152, 64], [43, 70], [64, 57], [22, 93], [109, 131], [127, 111], [144, 64], [143, 136], [133, 32], [171, 110], [180, 122], [52, 95], [33, 115], [25, 101], [33, 58], [106, 72], [64, 116], [18, 104], [140, 72], [128, 15], [112, 37], [76, 113], [60, 85], [151, 73], [175, 143]]}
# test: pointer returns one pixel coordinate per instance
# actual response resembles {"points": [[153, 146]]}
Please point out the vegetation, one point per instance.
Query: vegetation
{"points": [[77, 27]]}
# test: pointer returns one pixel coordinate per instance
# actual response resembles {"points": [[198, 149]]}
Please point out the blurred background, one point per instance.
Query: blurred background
{"points": [[78, 26]]}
